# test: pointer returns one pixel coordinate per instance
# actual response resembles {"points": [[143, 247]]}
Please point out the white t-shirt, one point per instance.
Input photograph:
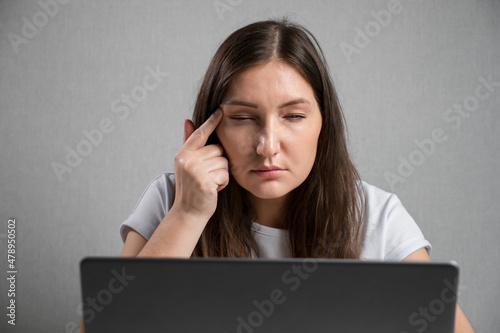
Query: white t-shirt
{"points": [[391, 233]]}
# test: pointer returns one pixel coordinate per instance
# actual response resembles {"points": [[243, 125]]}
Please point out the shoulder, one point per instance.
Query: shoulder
{"points": [[151, 207], [164, 180], [378, 201], [391, 232], [373, 192], [382, 207], [163, 184], [158, 195]]}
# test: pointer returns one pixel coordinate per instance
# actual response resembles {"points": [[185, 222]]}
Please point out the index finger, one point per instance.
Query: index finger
{"points": [[200, 136]]}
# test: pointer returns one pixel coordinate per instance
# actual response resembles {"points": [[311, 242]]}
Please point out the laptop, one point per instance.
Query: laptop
{"points": [[234, 295]]}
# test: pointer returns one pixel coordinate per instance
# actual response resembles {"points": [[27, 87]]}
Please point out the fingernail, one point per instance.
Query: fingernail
{"points": [[216, 113]]}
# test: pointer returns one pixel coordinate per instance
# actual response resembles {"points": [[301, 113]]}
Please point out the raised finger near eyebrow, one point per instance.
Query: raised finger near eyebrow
{"points": [[200, 136]]}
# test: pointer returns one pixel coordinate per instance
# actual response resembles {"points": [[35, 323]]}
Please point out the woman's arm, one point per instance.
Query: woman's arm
{"points": [[201, 171], [176, 236], [462, 325]]}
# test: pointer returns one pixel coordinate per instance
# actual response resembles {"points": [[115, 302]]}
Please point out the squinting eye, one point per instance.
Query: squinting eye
{"points": [[295, 116], [239, 118]]}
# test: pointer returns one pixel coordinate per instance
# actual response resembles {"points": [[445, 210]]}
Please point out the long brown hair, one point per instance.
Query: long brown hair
{"points": [[324, 215]]}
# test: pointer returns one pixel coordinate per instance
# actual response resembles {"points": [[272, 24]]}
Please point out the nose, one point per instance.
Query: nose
{"points": [[268, 142]]}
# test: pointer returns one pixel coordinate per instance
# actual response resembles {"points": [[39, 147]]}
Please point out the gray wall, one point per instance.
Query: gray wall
{"points": [[398, 86]]}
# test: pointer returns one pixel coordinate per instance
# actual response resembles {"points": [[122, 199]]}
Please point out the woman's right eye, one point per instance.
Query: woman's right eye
{"points": [[239, 118]]}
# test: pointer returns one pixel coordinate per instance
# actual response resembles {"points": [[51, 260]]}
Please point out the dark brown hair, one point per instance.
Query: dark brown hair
{"points": [[324, 214]]}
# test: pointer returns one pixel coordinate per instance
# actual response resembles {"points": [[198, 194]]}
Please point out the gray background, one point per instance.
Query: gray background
{"points": [[394, 91]]}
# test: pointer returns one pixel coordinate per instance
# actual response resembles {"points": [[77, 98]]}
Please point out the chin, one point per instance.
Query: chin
{"points": [[268, 197], [268, 193]]}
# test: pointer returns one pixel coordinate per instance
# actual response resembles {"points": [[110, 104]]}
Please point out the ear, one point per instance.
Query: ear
{"points": [[188, 129]]}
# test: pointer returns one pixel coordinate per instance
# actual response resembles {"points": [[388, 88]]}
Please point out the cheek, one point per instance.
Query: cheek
{"points": [[236, 142], [309, 145], [305, 150], [238, 150]]}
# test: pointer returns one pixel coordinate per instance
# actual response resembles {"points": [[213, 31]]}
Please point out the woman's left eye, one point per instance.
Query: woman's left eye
{"points": [[295, 116]]}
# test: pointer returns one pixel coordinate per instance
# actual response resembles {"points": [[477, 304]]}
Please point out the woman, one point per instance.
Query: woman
{"points": [[264, 170]]}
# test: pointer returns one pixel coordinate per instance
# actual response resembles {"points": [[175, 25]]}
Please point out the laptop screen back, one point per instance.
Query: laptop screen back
{"points": [[249, 295]]}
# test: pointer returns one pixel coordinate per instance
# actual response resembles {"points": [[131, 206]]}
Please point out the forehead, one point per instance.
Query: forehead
{"points": [[274, 79]]}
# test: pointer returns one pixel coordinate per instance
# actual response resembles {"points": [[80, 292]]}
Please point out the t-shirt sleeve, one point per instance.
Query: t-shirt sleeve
{"points": [[391, 233], [151, 208]]}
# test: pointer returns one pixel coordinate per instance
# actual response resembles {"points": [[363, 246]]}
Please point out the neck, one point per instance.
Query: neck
{"points": [[268, 211]]}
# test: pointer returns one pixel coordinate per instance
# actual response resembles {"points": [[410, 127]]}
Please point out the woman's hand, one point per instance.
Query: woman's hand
{"points": [[200, 171]]}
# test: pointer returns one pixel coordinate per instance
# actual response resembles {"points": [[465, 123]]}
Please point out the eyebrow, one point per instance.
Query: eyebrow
{"points": [[251, 105]]}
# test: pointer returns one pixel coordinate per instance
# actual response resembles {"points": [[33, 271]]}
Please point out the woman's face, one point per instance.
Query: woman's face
{"points": [[271, 121]]}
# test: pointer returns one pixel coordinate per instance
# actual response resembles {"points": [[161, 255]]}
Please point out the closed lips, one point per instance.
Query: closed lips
{"points": [[268, 169]]}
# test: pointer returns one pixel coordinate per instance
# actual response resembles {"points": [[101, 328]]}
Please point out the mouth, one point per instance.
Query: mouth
{"points": [[268, 171]]}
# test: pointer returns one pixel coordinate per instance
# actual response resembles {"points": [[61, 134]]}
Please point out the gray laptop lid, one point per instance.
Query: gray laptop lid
{"points": [[263, 295]]}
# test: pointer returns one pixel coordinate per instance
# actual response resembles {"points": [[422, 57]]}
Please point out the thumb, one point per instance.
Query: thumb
{"points": [[188, 129]]}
